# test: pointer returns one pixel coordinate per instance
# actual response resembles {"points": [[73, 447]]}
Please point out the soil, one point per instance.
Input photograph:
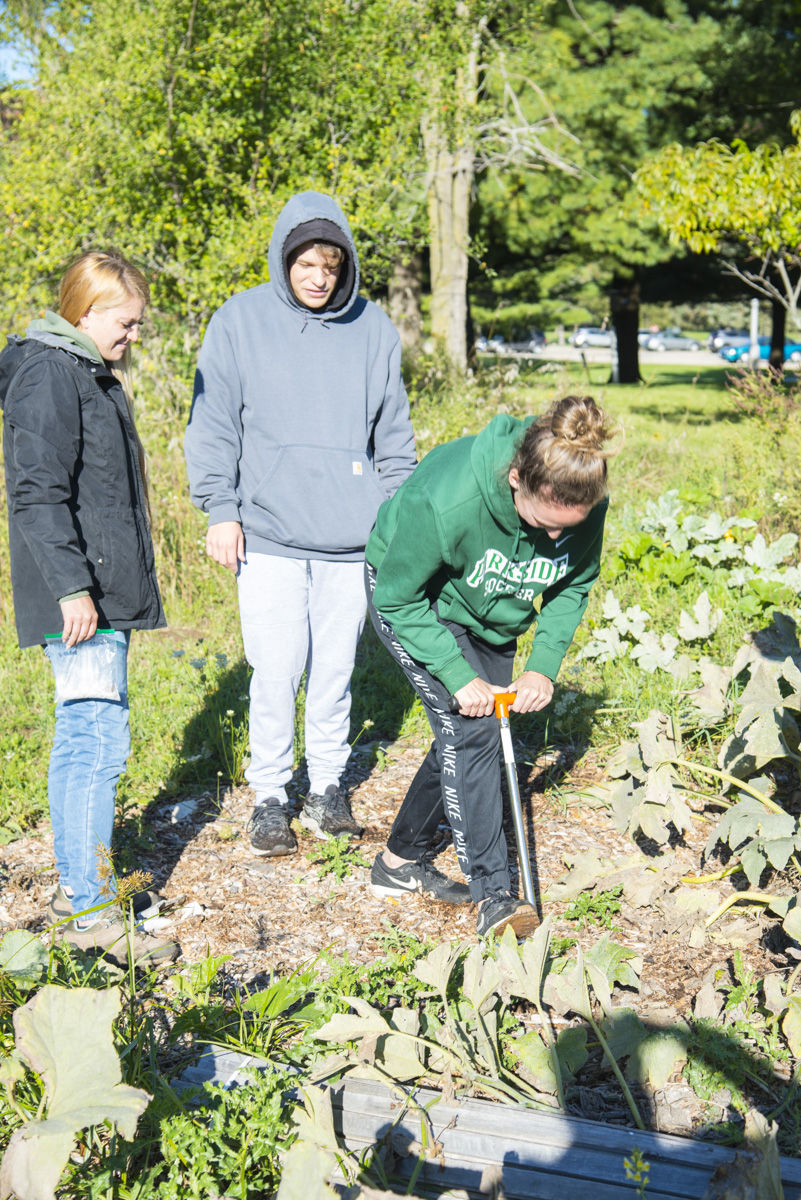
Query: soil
{"points": [[271, 915]]}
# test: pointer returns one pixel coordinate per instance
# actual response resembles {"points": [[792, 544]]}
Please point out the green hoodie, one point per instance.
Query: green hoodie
{"points": [[452, 534]]}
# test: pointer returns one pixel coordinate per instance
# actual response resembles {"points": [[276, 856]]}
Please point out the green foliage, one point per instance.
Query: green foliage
{"points": [[232, 1147], [336, 857], [707, 194], [81, 1090], [598, 909]]}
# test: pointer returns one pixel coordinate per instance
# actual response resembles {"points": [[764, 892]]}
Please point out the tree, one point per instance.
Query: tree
{"points": [[706, 195], [176, 129], [622, 80]]}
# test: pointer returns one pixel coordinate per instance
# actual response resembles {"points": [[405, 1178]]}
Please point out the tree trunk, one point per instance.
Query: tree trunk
{"points": [[450, 181], [404, 301], [777, 335], [625, 305], [450, 162]]}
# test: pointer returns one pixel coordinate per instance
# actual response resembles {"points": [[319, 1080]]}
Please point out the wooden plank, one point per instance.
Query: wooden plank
{"points": [[543, 1156]]}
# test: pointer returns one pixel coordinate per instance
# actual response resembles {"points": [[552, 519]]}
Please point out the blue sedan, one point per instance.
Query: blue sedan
{"points": [[792, 351]]}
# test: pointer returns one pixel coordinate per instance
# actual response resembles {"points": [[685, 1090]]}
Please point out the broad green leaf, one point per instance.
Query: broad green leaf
{"points": [[711, 699], [703, 622], [567, 991], [82, 1089], [791, 1025], [11, 1069], [766, 558], [658, 1056], [435, 969], [23, 957], [792, 921], [481, 979], [524, 975], [660, 738], [314, 1117], [774, 998], [536, 1058], [305, 1171], [617, 963], [652, 652], [585, 871], [400, 1056], [571, 1046], [623, 1031], [345, 1027]]}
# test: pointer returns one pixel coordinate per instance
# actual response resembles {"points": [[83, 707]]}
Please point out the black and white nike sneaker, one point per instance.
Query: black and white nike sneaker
{"points": [[416, 877]]}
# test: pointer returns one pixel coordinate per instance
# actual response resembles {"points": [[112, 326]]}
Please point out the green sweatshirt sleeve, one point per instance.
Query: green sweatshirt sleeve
{"points": [[416, 550], [563, 607]]}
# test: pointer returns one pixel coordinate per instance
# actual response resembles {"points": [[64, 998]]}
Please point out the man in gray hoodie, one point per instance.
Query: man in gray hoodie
{"points": [[299, 431]]}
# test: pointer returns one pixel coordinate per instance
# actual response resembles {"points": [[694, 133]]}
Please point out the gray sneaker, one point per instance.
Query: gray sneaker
{"points": [[416, 877], [112, 937], [269, 831], [329, 815], [500, 911], [59, 906]]}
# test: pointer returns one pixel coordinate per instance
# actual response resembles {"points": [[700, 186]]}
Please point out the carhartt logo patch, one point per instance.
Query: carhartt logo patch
{"points": [[357, 468]]}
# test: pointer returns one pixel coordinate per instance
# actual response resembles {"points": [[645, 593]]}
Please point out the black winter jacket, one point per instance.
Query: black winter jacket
{"points": [[76, 500]]}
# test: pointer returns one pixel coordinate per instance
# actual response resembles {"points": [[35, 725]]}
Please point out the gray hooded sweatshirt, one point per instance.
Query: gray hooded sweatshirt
{"points": [[300, 423]]}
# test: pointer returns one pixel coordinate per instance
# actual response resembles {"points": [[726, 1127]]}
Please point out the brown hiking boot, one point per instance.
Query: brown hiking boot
{"points": [[112, 937]]}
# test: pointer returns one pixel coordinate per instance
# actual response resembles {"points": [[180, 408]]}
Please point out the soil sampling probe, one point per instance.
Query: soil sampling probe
{"points": [[502, 702]]}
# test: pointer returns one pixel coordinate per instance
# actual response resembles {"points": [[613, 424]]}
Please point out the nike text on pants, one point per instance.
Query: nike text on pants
{"points": [[299, 614], [460, 777]]}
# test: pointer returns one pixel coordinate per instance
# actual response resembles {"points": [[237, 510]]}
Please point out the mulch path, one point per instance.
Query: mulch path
{"points": [[271, 915]]}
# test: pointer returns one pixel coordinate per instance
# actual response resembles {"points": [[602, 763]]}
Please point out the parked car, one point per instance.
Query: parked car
{"points": [[591, 335], [672, 339], [726, 337], [493, 345], [535, 341], [792, 351], [644, 336]]}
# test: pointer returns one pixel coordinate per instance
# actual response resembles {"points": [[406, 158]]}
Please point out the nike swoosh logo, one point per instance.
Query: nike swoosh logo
{"points": [[407, 887], [562, 539]]}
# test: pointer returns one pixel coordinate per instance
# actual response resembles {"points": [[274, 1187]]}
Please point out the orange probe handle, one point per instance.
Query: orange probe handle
{"points": [[502, 702]]}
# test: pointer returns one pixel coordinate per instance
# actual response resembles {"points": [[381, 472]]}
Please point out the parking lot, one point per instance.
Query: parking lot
{"points": [[593, 354]]}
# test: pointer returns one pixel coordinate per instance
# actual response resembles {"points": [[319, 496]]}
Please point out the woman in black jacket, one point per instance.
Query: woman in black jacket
{"points": [[82, 565]]}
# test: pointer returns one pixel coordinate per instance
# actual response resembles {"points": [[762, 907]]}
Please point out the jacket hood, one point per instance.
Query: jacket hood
{"points": [[53, 330], [302, 209], [491, 456]]}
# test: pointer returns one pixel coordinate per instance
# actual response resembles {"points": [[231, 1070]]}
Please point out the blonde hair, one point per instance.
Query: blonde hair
{"points": [[333, 256], [563, 455], [103, 279]]}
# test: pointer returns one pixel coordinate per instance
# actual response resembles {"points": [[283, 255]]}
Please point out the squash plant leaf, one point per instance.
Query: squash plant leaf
{"points": [[652, 652], [81, 1089], [23, 958], [767, 557], [435, 969], [712, 698], [703, 622], [304, 1174], [482, 978], [623, 1031], [660, 1054]]}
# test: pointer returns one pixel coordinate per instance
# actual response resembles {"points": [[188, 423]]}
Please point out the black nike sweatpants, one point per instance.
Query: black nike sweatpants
{"points": [[460, 777]]}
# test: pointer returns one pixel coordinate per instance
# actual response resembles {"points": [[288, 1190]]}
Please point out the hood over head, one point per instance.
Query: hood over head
{"points": [[313, 216]]}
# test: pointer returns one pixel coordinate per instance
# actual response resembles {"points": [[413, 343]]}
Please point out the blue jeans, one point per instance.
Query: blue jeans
{"points": [[90, 748]]}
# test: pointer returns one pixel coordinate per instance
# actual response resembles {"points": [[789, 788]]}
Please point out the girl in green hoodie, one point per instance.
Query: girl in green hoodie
{"points": [[484, 527]]}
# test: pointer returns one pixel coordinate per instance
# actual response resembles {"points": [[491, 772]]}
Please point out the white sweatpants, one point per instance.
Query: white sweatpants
{"points": [[299, 614]]}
